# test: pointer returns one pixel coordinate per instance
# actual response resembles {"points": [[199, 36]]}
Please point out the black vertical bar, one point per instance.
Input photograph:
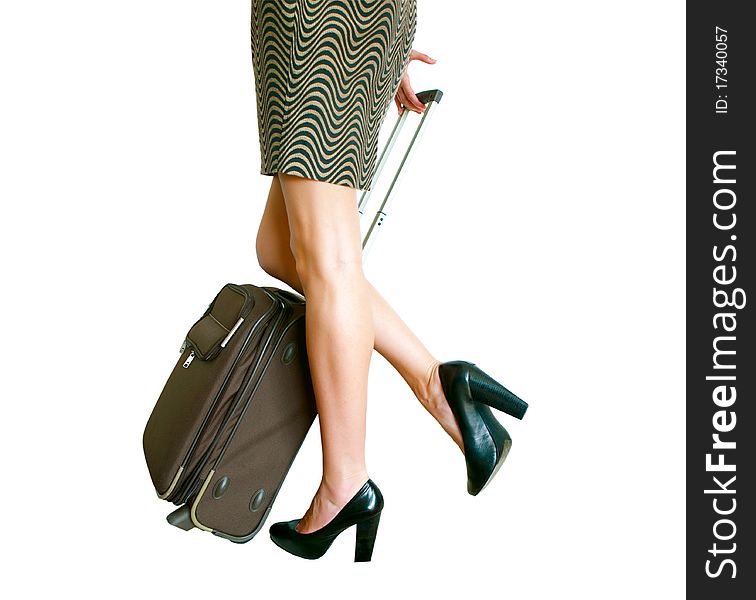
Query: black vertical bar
{"points": [[721, 562]]}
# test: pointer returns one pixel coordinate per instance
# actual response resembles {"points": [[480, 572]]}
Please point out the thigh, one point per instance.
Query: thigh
{"points": [[324, 224], [273, 236]]}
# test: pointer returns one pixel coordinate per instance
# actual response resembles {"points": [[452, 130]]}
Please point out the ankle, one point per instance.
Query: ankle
{"points": [[437, 405], [338, 486], [429, 390]]}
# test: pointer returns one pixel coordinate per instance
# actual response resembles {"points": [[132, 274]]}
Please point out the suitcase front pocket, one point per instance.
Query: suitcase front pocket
{"points": [[212, 332]]}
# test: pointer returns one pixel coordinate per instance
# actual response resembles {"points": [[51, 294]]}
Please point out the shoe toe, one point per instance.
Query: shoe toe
{"points": [[283, 529]]}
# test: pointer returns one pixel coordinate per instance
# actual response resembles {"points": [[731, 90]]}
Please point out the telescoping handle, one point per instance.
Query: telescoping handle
{"points": [[430, 98]]}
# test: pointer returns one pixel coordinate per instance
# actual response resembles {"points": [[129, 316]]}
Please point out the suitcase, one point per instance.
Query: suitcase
{"points": [[239, 402]]}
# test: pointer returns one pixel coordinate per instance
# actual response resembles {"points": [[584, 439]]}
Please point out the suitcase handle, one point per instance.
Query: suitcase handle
{"points": [[428, 97]]}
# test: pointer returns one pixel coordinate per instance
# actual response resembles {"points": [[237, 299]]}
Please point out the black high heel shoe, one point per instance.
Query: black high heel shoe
{"points": [[469, 392], [363, 510]]}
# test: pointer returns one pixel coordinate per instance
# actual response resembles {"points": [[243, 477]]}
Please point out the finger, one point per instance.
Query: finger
{"points": [[415, 55], [411, 104], [401, 101], [413, 99], [402, 98], [407, 100], [408, 104]]}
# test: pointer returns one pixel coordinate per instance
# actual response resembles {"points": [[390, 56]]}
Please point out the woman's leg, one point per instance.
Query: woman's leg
{"points": [[393, 339], [326, 244]]}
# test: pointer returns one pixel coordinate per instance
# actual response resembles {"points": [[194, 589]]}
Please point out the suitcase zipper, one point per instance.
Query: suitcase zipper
{"points": [[188, 360], [194, 476], [263, 321], [243, 392], [251, 394]]}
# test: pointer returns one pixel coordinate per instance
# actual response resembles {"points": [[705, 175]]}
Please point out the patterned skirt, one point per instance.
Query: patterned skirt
{"points": [[325, 73]]}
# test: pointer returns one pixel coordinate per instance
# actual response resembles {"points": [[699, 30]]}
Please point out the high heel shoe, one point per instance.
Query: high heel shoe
{"points": [[470, 392], [363, 510]]}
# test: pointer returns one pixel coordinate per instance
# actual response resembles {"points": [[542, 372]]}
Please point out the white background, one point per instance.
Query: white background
{"points": [[539, 233]]}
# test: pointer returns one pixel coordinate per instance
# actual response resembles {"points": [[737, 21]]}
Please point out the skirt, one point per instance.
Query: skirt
{"points": [[325, 74]]}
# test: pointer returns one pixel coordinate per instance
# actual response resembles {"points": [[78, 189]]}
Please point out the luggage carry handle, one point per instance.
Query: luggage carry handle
{"points": [[430, 98]]}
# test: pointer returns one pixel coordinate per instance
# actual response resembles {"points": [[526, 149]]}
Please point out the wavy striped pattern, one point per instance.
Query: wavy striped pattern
{"points": [[326, 72]]}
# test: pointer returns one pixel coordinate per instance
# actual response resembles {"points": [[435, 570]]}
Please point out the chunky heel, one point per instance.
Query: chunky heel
{"points": [[363, 510], [471, 394], [487, 390], [366, 532]]}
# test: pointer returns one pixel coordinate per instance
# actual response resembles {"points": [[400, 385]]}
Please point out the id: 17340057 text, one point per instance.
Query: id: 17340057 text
{"points": [[720, 70]]}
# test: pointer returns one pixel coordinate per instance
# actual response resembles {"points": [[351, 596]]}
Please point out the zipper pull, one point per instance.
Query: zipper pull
{"points": [[183, 347], [189, 360]]}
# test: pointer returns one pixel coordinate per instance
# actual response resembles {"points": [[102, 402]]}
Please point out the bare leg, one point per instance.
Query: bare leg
{"points": [[393, 339], [326, 244]]}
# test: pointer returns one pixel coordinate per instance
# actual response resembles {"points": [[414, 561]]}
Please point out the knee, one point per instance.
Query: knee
{"points": [[328, 264]]}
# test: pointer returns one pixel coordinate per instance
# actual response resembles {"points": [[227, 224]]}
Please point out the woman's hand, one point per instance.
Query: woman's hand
{"points": [[405, 96]]}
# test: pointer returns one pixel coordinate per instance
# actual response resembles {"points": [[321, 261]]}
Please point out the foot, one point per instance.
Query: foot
{"points": [[328, 501], [434, 400]]}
